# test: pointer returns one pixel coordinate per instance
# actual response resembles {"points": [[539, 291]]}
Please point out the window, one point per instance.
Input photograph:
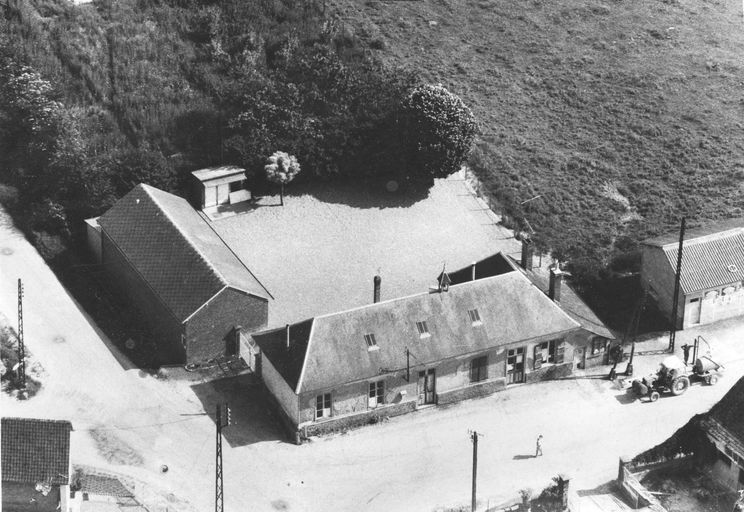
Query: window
{"points": [[423, 329], [236, 185], [599, 345], [371, 341], [474, 316], [376, 394], [548, 352], [479, 369], [323, 406]]}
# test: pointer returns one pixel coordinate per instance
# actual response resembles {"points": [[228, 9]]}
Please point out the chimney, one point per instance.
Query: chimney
{"points": [[556, 279], [287, 329], [472, 271], [527, 253], [376, 297]]}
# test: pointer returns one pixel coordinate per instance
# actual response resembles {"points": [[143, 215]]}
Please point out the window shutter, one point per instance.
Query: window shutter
{"points": [[559, 354], [537, 363]]}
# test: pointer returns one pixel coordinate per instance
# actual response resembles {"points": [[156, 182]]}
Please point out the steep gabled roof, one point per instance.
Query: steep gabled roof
{"points": [[709, 259], [35, 450], [175, 250], [334, 351]]}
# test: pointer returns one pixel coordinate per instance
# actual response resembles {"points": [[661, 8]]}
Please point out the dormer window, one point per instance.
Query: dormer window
{"points": [[371, 341], [423, 329], [474, 316]]}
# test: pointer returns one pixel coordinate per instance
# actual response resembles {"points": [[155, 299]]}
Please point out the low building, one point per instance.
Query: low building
{"points": [[193, 292], [712, 277], [387, 358], [724, 426], [219, 185], [35, 464]]}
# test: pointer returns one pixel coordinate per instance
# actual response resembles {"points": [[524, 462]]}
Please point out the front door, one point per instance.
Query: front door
{"points": [[515, 365], [694, 306], [581, 357], [427, 387], [232, 344]]}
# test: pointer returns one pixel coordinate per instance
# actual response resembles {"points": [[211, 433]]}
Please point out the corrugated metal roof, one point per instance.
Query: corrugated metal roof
{"points": [[709, 261], [35, 450], [174, 250], [334, 350]]}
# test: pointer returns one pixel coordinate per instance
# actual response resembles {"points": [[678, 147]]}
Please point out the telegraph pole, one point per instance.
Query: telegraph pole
{"points": [[474, 438], [21, 347], [675, 300]]}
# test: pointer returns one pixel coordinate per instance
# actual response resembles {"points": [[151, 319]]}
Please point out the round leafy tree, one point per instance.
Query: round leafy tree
{"points": [[281, 168], [439, 130]]}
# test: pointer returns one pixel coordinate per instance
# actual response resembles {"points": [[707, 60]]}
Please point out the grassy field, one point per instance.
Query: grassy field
{"points": [[621, 115]]}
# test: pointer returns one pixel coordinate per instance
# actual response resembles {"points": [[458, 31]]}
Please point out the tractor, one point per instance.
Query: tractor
{"points": [[673, 377]]}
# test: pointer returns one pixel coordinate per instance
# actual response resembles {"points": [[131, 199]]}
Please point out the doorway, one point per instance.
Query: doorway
{"points": [[427, 387], [694, 306], [515, 365]]}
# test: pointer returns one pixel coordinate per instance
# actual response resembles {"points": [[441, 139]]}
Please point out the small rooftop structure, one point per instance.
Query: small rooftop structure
{"points": [[35, 450], [215, 186]]}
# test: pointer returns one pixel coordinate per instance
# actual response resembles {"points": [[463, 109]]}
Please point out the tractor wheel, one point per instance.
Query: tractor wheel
{"points": [[680, 385], [712, 380], [654, 396]]}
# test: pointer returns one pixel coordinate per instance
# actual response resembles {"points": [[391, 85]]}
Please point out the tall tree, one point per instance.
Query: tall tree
{"points": [[438, 131]]}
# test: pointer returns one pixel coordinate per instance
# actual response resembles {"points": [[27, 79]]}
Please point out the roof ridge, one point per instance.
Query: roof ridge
{"points": [[706, 238], [148, 190], [394, 299]]}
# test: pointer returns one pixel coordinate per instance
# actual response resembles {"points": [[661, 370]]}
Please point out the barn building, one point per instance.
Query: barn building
{"points": [[391, 357], [712, 278], [35, 464], [193, 292]]}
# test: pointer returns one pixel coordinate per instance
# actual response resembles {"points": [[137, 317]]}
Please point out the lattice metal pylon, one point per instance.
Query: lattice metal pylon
{"points": [[21, 347], [218, 498]]}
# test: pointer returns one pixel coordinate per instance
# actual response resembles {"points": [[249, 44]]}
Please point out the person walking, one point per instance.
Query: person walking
{"points": [[538, 446]]}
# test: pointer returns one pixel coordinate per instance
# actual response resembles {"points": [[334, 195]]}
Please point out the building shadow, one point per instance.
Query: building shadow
{"points": [[252, 418], [605, 488], [523, 457]]}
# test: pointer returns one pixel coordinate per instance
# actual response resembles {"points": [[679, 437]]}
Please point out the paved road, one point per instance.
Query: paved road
{"points": [[132, 423]]}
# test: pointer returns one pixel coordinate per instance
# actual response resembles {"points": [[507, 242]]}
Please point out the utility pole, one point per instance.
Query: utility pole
{"points": [[220, 421], [21, 347], [675, 300], [474, 438], [408, 365]]}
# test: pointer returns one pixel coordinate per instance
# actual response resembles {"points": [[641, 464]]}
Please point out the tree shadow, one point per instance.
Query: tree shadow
{"points": [[391, 192], [252, 417]]}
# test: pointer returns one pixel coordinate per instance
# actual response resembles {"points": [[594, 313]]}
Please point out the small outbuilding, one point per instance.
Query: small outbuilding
{"points": [[35, 464], [216, 186], [712, 277]]}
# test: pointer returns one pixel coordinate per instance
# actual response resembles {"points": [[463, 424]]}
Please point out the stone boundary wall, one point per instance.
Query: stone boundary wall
{"points": [[633, 490], [472, 391], [356, 420]]}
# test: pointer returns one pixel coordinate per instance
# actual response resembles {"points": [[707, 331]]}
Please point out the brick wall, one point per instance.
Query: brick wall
{"points": [[166, 329], [208, 331], [553, 371]]}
